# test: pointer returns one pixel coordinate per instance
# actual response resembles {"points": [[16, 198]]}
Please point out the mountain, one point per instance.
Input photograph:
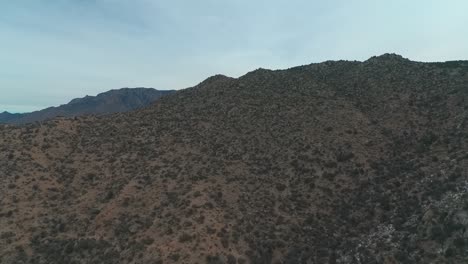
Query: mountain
{"points": [[6, 117], [333, 162], [113, 101]]}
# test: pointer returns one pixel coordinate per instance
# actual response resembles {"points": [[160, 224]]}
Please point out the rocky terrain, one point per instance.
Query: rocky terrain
{"points": [[113, 101], [335, 162]]}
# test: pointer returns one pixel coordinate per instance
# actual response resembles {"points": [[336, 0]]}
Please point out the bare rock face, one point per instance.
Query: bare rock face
{"points": [[113, 101], [335, 162]]}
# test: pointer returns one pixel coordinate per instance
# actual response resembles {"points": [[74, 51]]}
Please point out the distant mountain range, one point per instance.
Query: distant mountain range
{"points": [[6, 117], [113, 101]]}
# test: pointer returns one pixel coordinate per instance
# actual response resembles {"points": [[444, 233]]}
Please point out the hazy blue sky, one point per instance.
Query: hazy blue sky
{"points": [[54, 50]]}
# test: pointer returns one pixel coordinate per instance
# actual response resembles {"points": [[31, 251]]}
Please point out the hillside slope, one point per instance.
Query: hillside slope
{"points": [[336, 162], [113, 101]]}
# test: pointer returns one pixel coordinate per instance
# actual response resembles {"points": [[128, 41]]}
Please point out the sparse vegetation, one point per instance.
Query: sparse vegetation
{"points": [[338, 162]]}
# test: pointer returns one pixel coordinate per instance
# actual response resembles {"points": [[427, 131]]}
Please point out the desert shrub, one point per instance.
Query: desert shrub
{"points": [[280, 187], [343, 156], [231, 259], [7, 235], [174, 256], [210, 230], [437, 233], [460, 242], [147, 241], [126, 202], [330, 164], [214, 259], [185, 238]]}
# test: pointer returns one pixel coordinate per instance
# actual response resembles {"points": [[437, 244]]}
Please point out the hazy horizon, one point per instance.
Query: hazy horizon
{"points": [[58, 50]]}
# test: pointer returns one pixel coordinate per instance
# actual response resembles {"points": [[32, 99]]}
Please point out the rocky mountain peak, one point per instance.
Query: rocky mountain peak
{"points": [[388, 57]]}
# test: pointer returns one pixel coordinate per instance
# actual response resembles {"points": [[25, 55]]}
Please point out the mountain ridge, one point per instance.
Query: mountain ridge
{"points": [[343, 162], [112, 101]]}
